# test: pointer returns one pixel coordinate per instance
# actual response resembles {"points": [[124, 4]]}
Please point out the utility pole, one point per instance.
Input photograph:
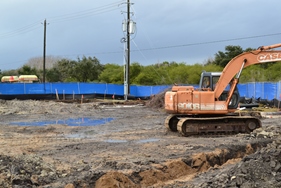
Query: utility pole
{"points": [[44, 52], [129, 28], [128, 51]]}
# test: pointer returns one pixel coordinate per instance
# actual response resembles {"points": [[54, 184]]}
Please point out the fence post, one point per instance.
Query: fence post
{"points": [[78, 88]]}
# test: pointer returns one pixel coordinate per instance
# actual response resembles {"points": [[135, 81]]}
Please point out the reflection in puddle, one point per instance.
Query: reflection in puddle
{"points": [[75, 136], [69, 122], [115, 141], [138, 141], [148, 140]]}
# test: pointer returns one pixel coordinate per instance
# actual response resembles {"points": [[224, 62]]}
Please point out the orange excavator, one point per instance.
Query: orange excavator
{"points": [[210, 109]]}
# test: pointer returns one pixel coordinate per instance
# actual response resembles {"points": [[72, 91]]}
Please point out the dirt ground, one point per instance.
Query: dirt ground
{"points": [[95, 144]]}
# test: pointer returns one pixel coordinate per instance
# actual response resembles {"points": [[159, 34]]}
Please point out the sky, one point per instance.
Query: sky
{"points": [[184, 31]]}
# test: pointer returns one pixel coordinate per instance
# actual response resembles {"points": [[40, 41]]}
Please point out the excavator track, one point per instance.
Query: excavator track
{"points": [[189, 126]]}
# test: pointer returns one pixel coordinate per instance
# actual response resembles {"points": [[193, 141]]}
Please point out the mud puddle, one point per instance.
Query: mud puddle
{"points": [[137, 141], [84, 121]]}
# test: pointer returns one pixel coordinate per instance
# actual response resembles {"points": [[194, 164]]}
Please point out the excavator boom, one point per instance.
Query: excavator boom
{"points": [[261, 55]]}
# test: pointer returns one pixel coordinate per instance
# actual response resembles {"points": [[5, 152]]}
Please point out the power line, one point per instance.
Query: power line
{"points": [[87, 13], [210, 42], [195, 44], [67, 17], [146, 60], [175, 46], [21, 30]]}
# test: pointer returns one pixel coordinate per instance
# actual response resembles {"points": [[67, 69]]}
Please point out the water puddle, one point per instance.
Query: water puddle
{"points": [[115, 141], [138, 141], [75, 136], [70, 122], [148, 140]]}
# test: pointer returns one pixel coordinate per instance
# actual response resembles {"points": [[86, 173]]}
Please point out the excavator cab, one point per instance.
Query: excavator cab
{"points": [[209, 80]]}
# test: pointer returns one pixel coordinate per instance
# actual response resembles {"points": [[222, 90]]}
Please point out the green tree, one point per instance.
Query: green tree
{"points": [[27, 70], [53, 75], [112, 73], [160, 72], [178, 73], [222, 58], [272, 73], [252, 73], [66, 69], [212, 68], [194, 73], [135, 70], [147, 76], [12, 72], [87, 69], [190, 74]]}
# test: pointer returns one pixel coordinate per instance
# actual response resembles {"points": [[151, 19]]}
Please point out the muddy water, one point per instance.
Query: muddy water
{"points": [[83, 121]]}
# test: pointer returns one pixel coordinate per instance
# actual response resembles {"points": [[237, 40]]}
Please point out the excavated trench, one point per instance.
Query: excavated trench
{"points": [[185, 168]]}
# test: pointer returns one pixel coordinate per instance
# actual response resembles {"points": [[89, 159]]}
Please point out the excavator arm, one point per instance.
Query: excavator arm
{"points": [[263, 54]]}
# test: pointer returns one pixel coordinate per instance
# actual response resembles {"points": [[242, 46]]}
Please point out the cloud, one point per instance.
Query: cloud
{"points": [[179, 30]]}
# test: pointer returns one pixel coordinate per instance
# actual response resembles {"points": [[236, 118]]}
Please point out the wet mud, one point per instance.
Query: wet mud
{"points": [[46, 144]]}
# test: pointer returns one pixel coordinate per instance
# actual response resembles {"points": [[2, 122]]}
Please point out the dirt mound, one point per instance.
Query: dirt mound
{"points": [[25, 170], [114, 180], [157, 101], [261, 169], [164, 174], [258, 168]]}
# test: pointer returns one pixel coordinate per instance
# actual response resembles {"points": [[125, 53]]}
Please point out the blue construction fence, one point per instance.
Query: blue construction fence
{"points": [[263, 90], [78, 89]]}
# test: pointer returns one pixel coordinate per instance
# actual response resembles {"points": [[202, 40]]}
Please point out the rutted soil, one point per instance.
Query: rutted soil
{"points": [[130, 148]]}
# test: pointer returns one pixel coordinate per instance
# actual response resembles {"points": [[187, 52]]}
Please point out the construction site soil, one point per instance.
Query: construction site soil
{"points": [[125, 144]]}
